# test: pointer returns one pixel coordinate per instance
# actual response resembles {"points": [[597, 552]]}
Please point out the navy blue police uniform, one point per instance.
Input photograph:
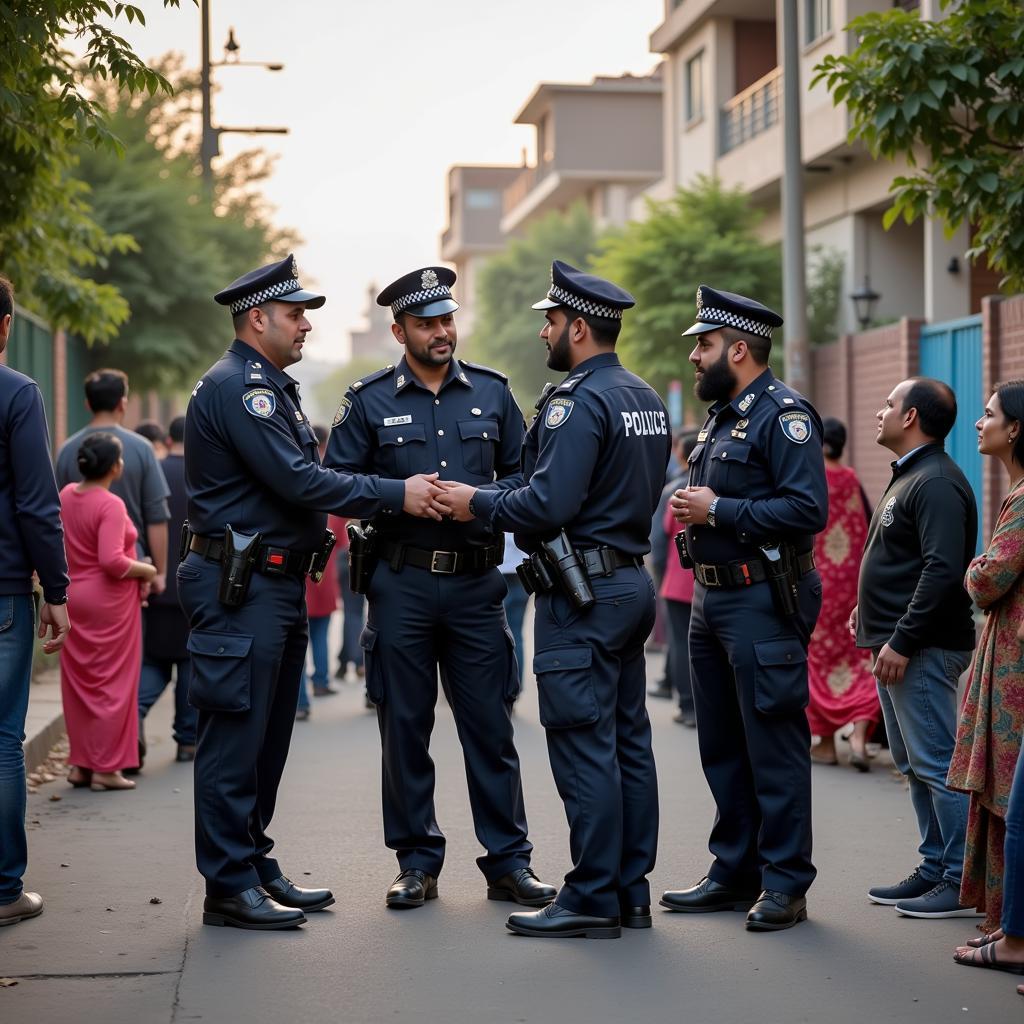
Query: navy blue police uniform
{"points": [[435, 600], [252, 464], [594, 465], [761, 453]]}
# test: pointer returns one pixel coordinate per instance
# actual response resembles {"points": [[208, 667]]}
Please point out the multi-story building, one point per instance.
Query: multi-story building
{"points": [[722, 117], [474, 228], [375, 340]]}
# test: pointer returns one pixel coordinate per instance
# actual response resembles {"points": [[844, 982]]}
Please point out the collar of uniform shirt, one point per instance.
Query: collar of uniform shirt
{"points": [[271, 372], [753, 391], [404, 376], [596, 362]]}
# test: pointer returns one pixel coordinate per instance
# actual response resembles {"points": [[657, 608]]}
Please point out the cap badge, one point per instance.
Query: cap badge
{"points": [[428, 279], [700, 300]]}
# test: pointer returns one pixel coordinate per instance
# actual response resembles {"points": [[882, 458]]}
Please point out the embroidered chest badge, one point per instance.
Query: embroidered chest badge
{"points": [[796, 426], [559, 410], [260, 402], [887, 517]]}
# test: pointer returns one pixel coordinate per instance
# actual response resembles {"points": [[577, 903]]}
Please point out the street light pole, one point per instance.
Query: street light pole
{"points": [[208, 140], [794, 273]]}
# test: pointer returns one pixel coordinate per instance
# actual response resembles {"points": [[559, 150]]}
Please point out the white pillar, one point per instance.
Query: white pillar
{"points": [[947, 294]]}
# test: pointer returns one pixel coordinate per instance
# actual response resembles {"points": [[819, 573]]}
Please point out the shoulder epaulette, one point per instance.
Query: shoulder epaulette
{"points": [[254, 372], [484, 369], [784, 396], [358, 385], [571, 383]]}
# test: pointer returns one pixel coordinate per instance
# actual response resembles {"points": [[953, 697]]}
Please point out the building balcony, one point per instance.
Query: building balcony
{"points": [[751, 112]]}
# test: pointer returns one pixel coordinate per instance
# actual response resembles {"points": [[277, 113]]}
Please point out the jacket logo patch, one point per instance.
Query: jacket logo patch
{"points": [[796, 426], [559, 410], [343, 410], [260, 402], [887, 516]]}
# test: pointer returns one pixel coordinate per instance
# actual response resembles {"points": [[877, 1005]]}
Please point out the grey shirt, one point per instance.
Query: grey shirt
{"points": [[141, 487]]}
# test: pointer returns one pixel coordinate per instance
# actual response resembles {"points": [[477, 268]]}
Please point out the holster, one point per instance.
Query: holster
{"points": [[684, 552], [783, 575], [318, 565], [534, 575], [567, 568], [236, 567], [362, 556]]}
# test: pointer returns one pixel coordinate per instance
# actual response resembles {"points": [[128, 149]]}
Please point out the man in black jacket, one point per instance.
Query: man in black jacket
{"points": [[914, 614]]}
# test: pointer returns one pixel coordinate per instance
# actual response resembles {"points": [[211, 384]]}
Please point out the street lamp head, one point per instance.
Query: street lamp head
{"points": [[864, 299], [231, 47]]}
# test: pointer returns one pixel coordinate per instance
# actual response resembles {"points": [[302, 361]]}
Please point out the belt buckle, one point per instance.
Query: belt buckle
{"points": [[450, 557], [710, 574]]}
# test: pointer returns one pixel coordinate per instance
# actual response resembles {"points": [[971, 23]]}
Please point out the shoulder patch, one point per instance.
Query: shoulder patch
{"points": [[356, 385], [483, 369], [340, 416], [559, 410], [570, 383], [796, 426], [260, 402]]}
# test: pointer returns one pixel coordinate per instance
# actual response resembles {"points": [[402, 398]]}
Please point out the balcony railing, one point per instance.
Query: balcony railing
{"points": [[752, 111]]}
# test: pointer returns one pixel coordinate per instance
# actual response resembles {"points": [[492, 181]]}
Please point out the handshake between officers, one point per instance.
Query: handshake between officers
{"points": [[258, 500]]}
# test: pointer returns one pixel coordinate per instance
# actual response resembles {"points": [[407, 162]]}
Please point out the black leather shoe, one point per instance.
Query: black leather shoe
{"points": [[557, 922], [523, 887], [636, 917], [411, 888], [186, 752], [706, 897], [288, 894], [776, 911], [250, 909]]}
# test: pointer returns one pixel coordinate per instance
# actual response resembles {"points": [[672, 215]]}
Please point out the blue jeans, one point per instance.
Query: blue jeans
{"points": [[515, 612], [318, 648], [920, 719], [17, 625], [1013, 852], [156, 674]]}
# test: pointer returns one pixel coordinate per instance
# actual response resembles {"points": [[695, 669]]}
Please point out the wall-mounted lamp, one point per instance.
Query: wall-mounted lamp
{"points": [[864, 299], [953, 266]]}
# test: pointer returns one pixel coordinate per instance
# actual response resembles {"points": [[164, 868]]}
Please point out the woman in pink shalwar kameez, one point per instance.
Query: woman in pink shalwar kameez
{"points": [[102, 656]]}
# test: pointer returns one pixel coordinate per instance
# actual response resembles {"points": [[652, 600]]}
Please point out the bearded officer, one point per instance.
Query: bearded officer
{"points": [[756, 497], [435, 597], [594, 465], [257, 504]]}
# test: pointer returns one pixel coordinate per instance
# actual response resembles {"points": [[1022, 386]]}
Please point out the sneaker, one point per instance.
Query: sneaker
{"points": [[942, 901], [910, 888]]}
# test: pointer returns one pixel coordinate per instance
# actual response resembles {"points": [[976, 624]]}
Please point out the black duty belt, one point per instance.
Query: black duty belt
{"points": [[270, 561], [744, 571], [604, 561], [443, 563]]}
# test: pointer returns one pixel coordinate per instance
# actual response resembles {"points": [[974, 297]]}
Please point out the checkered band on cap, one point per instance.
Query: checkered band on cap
{"points": [[265, 295], [708, 315], [442, 291], [578, 302]]}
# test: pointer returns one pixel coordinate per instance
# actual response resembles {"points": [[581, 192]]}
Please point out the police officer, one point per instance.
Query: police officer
{"points": [[435, 598], [594, 464], [756, 497], [257, 503]]}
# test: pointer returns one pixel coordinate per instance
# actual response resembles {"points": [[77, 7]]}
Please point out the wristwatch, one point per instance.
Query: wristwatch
{"points": [[472, 509], [711, 513]]}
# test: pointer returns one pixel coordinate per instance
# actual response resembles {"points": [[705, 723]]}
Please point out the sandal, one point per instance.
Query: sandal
{"points": [[984, 940], [985, 956], [79, 777]]}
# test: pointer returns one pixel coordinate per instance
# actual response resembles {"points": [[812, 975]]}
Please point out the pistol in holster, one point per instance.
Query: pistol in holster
{"points": [[237, 565], [685, 559], [362, 556], [781, 565], [318, 564], [567, 568]]}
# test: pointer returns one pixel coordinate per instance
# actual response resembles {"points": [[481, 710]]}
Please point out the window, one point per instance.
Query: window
{"points": [[481, 199], [817, 20], [693, 101]]}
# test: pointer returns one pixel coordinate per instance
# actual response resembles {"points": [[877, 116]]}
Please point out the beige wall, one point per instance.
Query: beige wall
{"points": [[608, 132]]}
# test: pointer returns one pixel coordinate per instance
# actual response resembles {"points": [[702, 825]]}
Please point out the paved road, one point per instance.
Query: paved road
{"points": [[103, 952]]}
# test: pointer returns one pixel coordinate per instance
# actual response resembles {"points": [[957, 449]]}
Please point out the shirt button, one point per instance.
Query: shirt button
{"points": [[485, 433], [399, 439], [440, 433], [444, 465], [713, 440], [437, 401], [220, 650]]}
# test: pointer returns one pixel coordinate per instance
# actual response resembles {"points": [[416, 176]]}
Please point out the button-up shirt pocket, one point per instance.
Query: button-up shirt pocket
{"points": [[480, 439], [729, 468], [403, 450]]}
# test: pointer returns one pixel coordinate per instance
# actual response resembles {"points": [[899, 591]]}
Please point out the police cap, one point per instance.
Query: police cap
{"points": [[585, 293], [727, 309], [426, 292], [278, 282]]}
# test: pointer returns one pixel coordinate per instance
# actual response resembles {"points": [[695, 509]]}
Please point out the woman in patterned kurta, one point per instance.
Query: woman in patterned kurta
{"points": [[992, 717], [842, 688]]}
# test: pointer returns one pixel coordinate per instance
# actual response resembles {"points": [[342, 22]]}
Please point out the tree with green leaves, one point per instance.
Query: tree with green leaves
{"points": [[948, 97], [47, 231], [505, 335], [702, 235], [154, 194]]}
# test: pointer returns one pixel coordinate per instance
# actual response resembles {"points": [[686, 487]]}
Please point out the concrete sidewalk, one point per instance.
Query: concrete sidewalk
{"points": [[44, 724]]}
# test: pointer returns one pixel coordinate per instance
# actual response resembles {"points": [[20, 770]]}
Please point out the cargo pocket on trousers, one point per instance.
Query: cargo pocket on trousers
{"points": [[371, 665], [780, 676], [565, 687], [221, 677]]}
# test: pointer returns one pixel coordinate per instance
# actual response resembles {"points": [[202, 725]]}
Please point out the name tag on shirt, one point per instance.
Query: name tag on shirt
{"points": [[395, 421]]}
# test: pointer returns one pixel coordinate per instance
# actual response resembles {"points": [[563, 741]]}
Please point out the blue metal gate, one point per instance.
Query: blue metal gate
{"points": [[951, 352]]}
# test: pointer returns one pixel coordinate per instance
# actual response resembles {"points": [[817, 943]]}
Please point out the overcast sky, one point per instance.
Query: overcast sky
{"points": [[381, 97]]}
